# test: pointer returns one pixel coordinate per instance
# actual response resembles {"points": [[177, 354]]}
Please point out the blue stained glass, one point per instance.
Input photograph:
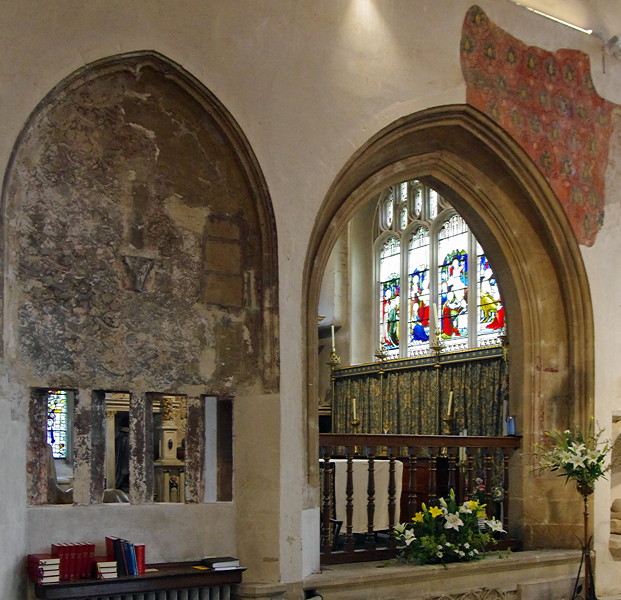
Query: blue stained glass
{"points": [[57, 422], [418, 284]]}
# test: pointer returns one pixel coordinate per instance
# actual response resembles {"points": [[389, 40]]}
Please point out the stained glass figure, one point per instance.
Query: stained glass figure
{"points": [[453, 279], [57, 422], [418, 288], [390, 295], [491, 310]]}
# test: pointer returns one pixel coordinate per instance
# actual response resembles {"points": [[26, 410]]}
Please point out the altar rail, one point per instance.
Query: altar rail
{"points": [[412, 469]]}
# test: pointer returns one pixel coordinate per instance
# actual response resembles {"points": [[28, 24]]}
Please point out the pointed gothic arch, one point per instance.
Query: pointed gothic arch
{"points": [[138, 132], [515, 215]]}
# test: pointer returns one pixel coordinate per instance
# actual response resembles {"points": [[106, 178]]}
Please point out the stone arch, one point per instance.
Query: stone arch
{"points": [[135, 145], [520, 223]]}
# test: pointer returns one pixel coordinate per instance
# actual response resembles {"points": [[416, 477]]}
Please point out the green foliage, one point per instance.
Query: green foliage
{"points": [[447, 532]]}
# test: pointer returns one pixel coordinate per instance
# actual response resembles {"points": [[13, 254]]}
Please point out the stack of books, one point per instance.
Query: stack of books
{"points": [[105, 569], [220, 563], [130, 556], [43, 568], [76, 559]]}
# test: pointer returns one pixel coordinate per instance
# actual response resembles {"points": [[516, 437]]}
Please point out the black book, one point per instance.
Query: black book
{"points": [[220, 562]]}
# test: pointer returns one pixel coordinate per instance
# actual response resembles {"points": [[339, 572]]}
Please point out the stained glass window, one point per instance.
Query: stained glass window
{"points": [[491, 313], [453, 282], [418, 289], [57, 424], [390, 295], [451, 289]]}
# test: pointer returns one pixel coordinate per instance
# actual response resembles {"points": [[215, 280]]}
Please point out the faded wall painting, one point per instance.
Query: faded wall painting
{"points": [[138, 236], [548, 103]]}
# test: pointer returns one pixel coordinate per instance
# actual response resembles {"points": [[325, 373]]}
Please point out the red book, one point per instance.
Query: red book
{"points": [[71, 561], [90, 559], [83, 560], [60, 551], [110, 547], [140, 558]]}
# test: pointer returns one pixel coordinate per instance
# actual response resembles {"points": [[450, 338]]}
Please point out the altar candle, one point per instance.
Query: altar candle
{"points": [[353, 408], [333, 346], [450, 404], [433, 329]]}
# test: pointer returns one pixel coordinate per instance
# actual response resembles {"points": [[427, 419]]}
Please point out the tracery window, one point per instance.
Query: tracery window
{"points": [[425, 249]]}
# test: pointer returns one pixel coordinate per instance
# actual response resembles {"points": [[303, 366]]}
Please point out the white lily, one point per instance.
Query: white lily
{"points": [[408, 537], [453, 521]]}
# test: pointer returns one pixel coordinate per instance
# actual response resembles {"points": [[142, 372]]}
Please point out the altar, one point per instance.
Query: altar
{"points": [[360, 477]]}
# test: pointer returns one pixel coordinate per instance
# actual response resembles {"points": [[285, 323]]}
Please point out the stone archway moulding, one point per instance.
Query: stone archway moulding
{"points": [[519, 221]]}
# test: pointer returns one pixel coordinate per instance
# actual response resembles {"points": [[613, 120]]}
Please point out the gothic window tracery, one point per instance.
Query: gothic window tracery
{"points": [[435, 284]]}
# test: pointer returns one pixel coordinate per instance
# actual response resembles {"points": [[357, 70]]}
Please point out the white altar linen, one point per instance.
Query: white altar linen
{"points": [[360, 473]]}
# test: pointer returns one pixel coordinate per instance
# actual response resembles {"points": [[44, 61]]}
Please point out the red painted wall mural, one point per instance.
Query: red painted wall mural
{"points": [[547, 102]]}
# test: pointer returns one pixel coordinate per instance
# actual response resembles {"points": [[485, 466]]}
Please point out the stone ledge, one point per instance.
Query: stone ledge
{"points": [[529, 575]]}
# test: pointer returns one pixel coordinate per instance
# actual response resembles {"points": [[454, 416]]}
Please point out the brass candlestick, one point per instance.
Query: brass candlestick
{"points": [[355, 423], [335, 360], [448, 421], [437, 346], [381, 354]]}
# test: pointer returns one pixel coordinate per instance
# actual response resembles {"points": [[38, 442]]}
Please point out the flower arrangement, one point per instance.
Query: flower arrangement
{"points": [[447, 533], [576, 454]]}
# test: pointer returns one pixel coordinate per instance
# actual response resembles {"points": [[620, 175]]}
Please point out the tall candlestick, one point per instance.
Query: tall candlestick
{"points": [[433, 324], [353, 408], [450, 404], [333, 346]]}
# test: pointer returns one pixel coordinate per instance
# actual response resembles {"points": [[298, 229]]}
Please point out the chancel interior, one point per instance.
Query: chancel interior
{"points": [[278, 274]]}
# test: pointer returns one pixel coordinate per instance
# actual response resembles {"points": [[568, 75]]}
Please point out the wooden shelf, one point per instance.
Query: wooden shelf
{"points": [[168, 576]]}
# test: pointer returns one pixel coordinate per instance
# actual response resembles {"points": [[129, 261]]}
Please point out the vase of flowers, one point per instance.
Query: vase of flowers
{"points": [[581, 456], [576, 454], [446, 532]]}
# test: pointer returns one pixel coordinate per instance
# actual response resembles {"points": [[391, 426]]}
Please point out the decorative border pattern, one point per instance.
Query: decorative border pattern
{"points": [[423, 361]]}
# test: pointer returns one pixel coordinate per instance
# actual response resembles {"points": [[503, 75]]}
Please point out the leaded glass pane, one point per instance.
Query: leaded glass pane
{"points": [[433, 204], [57, 422], [390, 283], [491, 311], [403, 217], [403, 191], [387, 210], [418, 290], [453, 282], [417, 200]]}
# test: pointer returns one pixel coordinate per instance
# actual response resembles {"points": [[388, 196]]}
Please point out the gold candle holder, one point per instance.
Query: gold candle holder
{"points": [[335, 360], [355, 423]]}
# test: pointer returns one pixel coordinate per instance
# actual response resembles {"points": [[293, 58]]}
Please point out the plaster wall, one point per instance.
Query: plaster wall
{"points": [[602, 261], [308, 81]]}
